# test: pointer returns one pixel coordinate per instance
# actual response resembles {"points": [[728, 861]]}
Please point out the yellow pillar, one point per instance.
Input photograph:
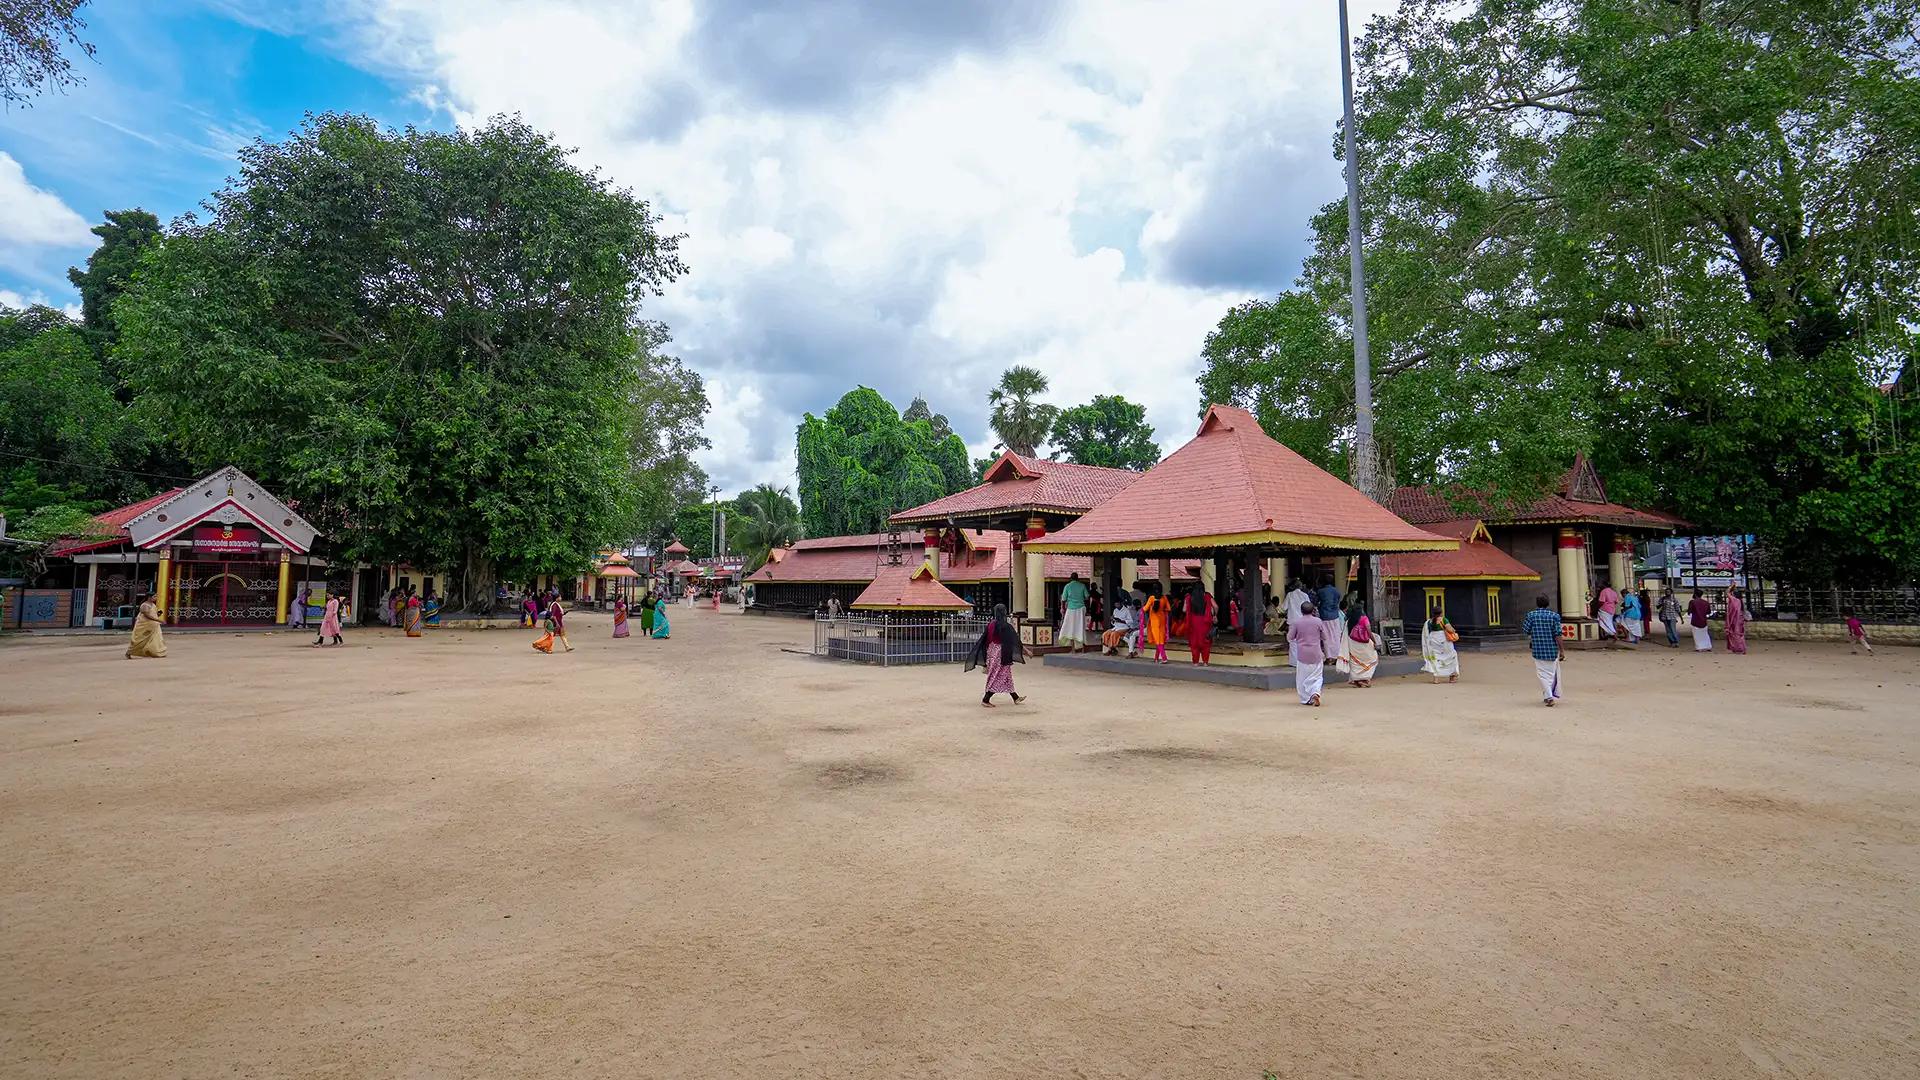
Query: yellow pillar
{"points": [[1620, 564], [286, 568], [931, 539], [160, 586], [1341, 564], [1573, 575], [1017, 586]]}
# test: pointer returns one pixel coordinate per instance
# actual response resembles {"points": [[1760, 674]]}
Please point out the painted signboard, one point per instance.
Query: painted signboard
{"points": [[226, 539], [1721, 561]]}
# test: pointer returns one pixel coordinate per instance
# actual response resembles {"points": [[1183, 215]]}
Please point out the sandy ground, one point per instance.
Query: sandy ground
{"points": [[708, 857]]}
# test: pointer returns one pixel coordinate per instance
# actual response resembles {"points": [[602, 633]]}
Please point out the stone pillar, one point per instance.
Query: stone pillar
{"points": [[1620, 564], [1253, 609], [1166, 578], [1277, 575], [286, 567], [1572, 551], [1209, 575], [160, 585], [93, 590]]}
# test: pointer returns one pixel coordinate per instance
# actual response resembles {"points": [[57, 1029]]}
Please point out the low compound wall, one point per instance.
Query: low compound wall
{"points": [[1809, 630]]}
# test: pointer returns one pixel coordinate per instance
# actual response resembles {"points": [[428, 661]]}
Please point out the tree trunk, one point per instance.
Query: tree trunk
{"points": [[476, 581]]}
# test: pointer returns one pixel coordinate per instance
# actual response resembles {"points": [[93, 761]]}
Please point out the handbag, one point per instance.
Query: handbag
{"points": [[1452, 634]]}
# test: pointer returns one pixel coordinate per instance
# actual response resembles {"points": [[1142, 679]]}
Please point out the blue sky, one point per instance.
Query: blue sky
{"points": [[903, 195]]}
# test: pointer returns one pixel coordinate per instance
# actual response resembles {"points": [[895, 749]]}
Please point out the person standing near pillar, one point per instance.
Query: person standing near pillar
{"points": [[1327, 602], [1201, 614]]}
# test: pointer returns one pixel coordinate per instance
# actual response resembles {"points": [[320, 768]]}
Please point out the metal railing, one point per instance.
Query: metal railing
{"points": [[1825, 603], [895, 640]]}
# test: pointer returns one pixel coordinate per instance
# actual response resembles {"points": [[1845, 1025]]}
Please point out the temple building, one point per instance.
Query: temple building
{"points": [[1572, 537], [222, 551], [976, 565], [1235, 498], [1473, 586]]}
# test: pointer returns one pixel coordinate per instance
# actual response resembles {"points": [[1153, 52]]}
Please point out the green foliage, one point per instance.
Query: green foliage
{"points": [[124, 238], [693, 525], [861, 463], [426, 338], [1108, 431], [34, 36], [59, 422], [1679, 236], [51, 522], [768, 519], [1021, 422], [669, 403]]}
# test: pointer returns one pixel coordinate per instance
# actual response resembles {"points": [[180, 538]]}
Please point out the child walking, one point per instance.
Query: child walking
{"points": [[1856, 633]]}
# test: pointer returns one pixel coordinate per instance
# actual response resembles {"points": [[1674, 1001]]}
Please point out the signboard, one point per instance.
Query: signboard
{"points": [[1722, 561], [226, 539]]}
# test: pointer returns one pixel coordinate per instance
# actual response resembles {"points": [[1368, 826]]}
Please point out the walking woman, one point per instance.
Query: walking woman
{"points": [[620, 618], [1154, 615], [147, 640], [999, 649], [1362, 656], [1308, 640], [1437, 653], [1200, 615], [649, 611], [410, 613], [1736, 622], [557, 618], [329, 623], [660, 629]]}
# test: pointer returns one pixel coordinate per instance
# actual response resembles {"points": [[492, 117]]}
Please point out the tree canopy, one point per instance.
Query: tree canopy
{"points": [[861, 462], [1680, 236], [124, 237], [1108, 431], [428, 339], [767, 519], [34, 37], [61, 429], [1021, 422]]}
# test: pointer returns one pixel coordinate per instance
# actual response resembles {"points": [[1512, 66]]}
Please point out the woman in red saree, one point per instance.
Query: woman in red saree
{"points": [[1736, 621], [620, 618], [1200, 615], [412, 615]]}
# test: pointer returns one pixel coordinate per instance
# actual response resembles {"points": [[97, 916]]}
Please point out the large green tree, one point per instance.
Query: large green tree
{"points": [[1678, 234], [669, 406], [861, 462], [430, 339], [124, 238], [1019, 420], [1108, 431], [63, 436]]}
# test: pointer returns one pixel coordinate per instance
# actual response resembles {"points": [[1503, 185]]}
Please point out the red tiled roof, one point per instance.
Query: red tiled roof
{"points": [[1233, 486], [909, 588], [1477, 557], [1016, 484], [113, 522], [852, 559], [676, 548], [1430, 504]]}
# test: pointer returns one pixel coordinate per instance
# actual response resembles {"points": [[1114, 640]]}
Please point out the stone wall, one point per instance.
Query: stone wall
{"points": [[1808, 630]]}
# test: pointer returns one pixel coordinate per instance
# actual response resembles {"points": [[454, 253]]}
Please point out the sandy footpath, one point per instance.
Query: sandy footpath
{"points": [[708, 857]]}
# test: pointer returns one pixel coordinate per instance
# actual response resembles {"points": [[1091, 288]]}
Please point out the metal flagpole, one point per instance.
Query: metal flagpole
{"points": [[1365, 467]]}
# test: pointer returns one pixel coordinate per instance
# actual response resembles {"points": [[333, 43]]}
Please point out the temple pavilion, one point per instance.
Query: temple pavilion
{"points": [[1237, 499], [1572, 539]]}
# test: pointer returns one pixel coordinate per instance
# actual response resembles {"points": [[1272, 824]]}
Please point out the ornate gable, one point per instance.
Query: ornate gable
{"points": [[227, 497], [1583, 482]]}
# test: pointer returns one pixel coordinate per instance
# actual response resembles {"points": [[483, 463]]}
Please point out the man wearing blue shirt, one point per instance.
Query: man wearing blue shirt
{"points": [[1326, 600], [1542, 625]]}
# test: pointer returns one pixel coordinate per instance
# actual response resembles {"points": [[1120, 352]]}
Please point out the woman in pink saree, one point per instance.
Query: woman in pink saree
{"points": [[1736, 621]]}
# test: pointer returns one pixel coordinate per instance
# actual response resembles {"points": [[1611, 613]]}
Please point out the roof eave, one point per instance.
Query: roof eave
{"points": [[1261, 538]]}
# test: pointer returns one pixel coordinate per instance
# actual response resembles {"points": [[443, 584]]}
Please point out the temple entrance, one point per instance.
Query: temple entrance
{"points": [[224, 592]]}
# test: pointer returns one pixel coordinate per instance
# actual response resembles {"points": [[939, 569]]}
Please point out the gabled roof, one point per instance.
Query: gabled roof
{"points": [[851, 560], [676, 548], [909, 588], [228, 496], [1233, 486], [1578, 498], [113, 524], [1018, 484], [1477, 559]]}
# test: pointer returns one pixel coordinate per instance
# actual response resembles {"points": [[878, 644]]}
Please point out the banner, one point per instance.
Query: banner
{"points": [[226, 539], [1722, 561]]}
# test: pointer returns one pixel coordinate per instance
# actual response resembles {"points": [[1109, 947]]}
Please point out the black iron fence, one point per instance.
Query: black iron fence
{"points": [[1828, 603], [893, 640]]}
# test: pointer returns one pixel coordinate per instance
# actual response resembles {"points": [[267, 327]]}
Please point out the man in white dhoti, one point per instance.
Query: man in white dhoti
{"points": [[1297, 598], [1073, 612], [1542, 625], [1307, 638]]}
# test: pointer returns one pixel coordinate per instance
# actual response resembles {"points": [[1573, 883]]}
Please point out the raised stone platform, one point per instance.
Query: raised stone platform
{"points": [[1255, 678]]}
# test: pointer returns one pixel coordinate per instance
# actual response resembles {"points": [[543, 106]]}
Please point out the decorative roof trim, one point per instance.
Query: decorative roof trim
{"points": [[1245, 539], [1459, 577]]}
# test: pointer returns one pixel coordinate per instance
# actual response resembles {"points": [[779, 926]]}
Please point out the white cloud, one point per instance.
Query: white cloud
{"points": [[19, 301], [1085, 188], [32, 217]]}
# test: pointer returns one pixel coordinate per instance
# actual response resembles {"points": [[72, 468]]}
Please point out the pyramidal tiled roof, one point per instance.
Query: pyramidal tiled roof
{"points": [[1233, 486], [909, 588], [1016, 483], [1477, 558]]}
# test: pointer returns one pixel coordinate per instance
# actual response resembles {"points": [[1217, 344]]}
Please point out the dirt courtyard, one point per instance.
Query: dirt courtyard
{"points": [[708, 857]]}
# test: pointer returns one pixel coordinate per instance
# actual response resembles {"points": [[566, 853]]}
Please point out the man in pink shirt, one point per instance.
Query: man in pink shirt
{"points": [[1609, 604]]}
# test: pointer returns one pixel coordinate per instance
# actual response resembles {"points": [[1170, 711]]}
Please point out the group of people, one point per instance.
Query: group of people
{"points": [[1145, 616], [1324, 627], [653, 616], [1629, 617]]}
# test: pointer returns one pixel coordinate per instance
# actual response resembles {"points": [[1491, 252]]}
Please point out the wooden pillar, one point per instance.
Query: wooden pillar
{"points": [[286, 569], [353, 591], [1253, 605], [1222, 590], [1110, 585]]}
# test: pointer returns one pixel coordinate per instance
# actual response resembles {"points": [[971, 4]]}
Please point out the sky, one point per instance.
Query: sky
{"points": [[909, 196]]}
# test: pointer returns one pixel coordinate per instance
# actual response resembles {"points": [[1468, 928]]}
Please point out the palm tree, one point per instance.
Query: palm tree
{"points": [[1021, 422], [768, 519]]}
